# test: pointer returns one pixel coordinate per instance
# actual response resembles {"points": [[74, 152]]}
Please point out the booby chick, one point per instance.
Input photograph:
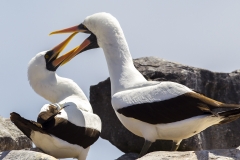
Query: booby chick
{"points": [[67, 127], [149, 109]]}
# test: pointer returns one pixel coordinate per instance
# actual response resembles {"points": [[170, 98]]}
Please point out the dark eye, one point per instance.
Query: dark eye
{"points": [[84, 27], [46, 56]]}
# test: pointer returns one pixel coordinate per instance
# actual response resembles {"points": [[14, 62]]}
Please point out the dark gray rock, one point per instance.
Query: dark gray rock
{"points": [[128, 156], [223, 87], [11, 137]]}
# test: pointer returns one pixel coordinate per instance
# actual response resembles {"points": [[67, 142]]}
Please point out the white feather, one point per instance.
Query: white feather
{"points": [[58, 147], [171, 131], [153, 93]]}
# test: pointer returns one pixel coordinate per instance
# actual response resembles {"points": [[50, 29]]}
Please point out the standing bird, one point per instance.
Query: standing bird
{"points": [[149, 109], [67, 127]]}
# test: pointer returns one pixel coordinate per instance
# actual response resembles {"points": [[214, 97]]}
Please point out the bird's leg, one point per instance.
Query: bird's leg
{"points": [[175, 145], [145, 148]]}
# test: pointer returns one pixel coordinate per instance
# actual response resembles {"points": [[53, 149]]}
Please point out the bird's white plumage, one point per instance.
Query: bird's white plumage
{"points": [[76, 116], [111, 39], [58, 147], [61, 92], [148, 94], [171, 131], [53, 87], [129, 87]]}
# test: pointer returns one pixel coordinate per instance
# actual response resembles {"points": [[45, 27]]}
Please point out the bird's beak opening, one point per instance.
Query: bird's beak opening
{"points": [[78, 28], [51, 57], [58, 49], [89, 43]]}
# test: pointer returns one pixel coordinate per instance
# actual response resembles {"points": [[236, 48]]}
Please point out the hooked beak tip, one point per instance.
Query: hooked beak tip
{"points": [[54, 32]]}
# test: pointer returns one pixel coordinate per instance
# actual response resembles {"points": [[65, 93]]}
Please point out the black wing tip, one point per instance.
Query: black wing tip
{"points": [[230, 115], [14, 113], [14, 116]]}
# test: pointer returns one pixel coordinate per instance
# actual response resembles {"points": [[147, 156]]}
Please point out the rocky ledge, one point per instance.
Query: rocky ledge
{"points": [[10, 136], [223, 87], [15, 145], [33, 154], [220, 154]]}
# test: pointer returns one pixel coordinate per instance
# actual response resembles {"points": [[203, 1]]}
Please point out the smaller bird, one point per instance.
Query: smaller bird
{"points": [[67, 127]]}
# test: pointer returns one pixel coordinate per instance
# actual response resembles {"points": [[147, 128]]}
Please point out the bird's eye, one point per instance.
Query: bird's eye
{"points": [[84, 27], [46, 56]]}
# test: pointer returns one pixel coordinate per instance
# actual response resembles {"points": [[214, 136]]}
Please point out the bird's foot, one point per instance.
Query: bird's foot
{"points": [[175, 145], [145, 148]]}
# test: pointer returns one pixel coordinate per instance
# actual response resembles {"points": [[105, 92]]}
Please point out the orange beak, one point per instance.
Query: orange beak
{"points": [[58, 49], [69, 55], [79, 28], [89, 43]]}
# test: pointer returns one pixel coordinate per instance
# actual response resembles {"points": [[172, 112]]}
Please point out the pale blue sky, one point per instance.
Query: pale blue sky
{"points": [[202, 33]]}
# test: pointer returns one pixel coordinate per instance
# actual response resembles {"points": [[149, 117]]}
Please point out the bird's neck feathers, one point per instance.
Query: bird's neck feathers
{"points": [[111, 39], [53, 87], [123, 74]]}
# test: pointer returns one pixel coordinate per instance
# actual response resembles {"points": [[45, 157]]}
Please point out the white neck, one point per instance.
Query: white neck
{"points": [[57, 89], [122, 72]]}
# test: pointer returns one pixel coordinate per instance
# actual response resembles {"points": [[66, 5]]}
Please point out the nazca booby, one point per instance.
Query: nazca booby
{"points": [[67, 127], [149, 109]]}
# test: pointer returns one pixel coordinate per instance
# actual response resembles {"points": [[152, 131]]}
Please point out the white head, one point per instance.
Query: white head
{"points": [[106, 27], [105, 32], [37, 68], [44, 80], [40, 78]]}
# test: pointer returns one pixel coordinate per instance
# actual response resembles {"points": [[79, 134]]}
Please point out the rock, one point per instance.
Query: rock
{"points": [[223, 87], [128, 156], [220, 154], [34, 149], [11, 137], [24, 154]]}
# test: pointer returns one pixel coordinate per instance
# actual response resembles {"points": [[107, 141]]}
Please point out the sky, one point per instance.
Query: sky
{"points": [[204, 34]]}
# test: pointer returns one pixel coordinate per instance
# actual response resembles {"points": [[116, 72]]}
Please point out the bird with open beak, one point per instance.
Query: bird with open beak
{"points": [[149, 109], [67, 127]]}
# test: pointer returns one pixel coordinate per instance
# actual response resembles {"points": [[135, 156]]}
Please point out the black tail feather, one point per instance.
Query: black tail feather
{"points": [[230, 115], [26, 126]]}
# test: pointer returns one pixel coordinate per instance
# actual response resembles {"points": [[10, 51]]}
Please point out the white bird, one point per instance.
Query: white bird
{"points": [[67, 127], [149, 109]]}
